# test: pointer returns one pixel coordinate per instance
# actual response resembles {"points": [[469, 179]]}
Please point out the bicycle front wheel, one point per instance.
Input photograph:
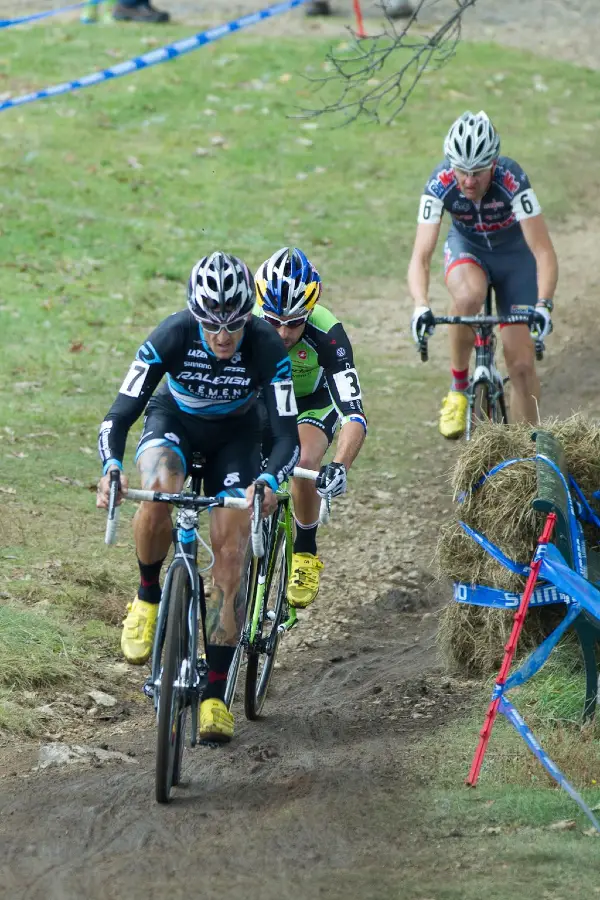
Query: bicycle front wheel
{"points": [[262, 650], [176, 672], [247, 592]]}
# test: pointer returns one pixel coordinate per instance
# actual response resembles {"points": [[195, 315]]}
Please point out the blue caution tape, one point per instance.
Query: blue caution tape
{"points": [[35, 17], [521, 727], [555, 570], [496, 552], [482, 595], [586, 513], [154, 57], [541, 654], [577, 541]]}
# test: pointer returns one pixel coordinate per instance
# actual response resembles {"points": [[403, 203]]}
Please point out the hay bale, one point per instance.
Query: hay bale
{"points": [[472, 638]]}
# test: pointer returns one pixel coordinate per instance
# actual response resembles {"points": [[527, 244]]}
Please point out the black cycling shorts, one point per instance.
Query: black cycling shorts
{"points": [[230, 446]]}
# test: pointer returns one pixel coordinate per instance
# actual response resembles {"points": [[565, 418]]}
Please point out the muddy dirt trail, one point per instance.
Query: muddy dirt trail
{"points": [[319, 799]]}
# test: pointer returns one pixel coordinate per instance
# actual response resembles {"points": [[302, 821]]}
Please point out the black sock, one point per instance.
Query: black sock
{"points": [[219, 659], [149, 589], [306, 538]]}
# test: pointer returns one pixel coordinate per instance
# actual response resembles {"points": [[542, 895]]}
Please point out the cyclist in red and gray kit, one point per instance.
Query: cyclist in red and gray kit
{"points": [[497, 236]]}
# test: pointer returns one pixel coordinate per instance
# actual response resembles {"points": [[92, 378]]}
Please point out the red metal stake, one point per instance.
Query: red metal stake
{"points": [[360, 28], [484, 734]]}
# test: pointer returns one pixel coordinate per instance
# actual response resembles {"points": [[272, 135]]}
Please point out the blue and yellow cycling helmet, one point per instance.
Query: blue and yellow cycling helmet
{"points": [[287, 283]]}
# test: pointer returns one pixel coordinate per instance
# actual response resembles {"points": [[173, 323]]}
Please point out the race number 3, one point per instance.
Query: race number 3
{"points": [[134, 380], [285, 398], [348, 385]]}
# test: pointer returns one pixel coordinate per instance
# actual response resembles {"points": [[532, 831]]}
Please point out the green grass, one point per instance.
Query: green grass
{"points": [[106, 204]]}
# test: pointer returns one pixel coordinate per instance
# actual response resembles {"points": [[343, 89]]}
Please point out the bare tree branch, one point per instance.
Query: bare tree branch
{"points": [[355, 69]]}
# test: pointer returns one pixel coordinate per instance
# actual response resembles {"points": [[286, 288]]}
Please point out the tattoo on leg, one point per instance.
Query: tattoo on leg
{"points": [[221, 621], [159, 463]]}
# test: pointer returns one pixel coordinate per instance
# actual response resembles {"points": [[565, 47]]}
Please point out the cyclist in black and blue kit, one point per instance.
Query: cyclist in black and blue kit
{"points": [[497, 236], [216, 357]]}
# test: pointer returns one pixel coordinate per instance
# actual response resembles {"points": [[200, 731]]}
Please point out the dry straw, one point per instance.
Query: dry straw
{"points": [[473, 638]]}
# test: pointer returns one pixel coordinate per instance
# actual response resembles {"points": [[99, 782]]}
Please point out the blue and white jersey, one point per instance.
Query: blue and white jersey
{"points": [[492, 223], [205, 387]]}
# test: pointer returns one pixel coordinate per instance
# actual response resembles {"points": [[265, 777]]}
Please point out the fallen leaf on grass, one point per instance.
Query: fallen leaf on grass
{"points": [[26, 385], [7, 490], [64, 479], [86, 450], [39, 434], [76, 347], [591, 832], [134, 162], [202, 151], [563, 825]]}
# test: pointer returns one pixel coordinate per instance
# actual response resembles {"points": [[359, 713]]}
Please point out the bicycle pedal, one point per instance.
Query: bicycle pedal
{"points": [[149, 688]]}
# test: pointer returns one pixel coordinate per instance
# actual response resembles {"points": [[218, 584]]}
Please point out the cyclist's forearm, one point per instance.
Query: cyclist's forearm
{"points": [[547, 273], [352, 437], [112, 438], [418, 280]]}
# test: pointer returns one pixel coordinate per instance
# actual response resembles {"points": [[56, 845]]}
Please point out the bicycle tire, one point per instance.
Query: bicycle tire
{"points": [[247, 585], [172, 705], [481, 409], [501, 415], [258, 676]]}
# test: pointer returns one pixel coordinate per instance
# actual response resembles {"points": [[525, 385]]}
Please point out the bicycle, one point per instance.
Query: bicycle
{"points": [[485, 393], [179, 672], [268, 615]]}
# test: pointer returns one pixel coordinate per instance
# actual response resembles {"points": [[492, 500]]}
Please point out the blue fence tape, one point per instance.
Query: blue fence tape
{"points": [[496, 552], [521, 727], [483, 595], [539, 657], [154, 57], [35, 17]]}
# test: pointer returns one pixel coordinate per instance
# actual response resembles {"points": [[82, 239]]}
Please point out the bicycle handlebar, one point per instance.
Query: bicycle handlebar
{"points": [[114, 511], [517, 319], [185, 499], [196, 502]]}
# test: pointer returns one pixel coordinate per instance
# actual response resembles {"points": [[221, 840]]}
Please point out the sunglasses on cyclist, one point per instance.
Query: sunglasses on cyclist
{"points": [[230, 327], [289, 323], [474, 173]]}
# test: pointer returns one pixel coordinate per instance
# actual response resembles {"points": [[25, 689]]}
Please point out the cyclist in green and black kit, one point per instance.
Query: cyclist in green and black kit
{"points": [[328, 395]]}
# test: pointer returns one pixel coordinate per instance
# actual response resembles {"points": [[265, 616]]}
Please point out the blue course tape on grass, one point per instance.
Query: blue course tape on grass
{"points": [[154, 57], [35, 17]]}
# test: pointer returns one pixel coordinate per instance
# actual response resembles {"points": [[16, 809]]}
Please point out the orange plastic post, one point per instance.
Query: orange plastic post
{"points": [[360, 28], [511, 646]]}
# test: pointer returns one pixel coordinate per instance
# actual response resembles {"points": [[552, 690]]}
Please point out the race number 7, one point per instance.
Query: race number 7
{"points": [[135, 378], [285, 398]]}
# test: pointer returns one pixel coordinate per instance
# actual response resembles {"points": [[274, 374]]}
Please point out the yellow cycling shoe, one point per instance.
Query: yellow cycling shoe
{"points": [[453, 415], [139, 626], [304, 579], [216, 722]]}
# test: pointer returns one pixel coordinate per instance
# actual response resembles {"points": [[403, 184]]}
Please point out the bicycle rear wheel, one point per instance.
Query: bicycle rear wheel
{"points": [[262, 651], [176, 672]]}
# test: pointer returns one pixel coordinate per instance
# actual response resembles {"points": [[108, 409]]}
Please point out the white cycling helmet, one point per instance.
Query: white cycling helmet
{"points": [[472, 142], [220, 289]]}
